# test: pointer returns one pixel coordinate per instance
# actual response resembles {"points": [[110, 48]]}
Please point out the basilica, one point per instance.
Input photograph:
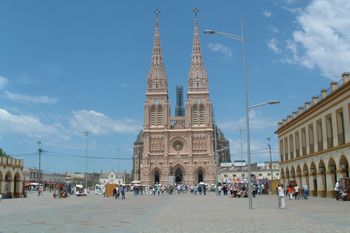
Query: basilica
{"points": [[187, 147]]}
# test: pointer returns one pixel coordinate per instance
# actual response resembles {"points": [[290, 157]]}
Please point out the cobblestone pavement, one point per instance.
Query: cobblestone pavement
{"points": [[176, 213]]}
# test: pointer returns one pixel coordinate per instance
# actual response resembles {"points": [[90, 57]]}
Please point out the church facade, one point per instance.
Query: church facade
{"points": [[180, 148]]}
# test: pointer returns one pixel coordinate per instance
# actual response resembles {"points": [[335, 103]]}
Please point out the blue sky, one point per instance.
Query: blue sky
{"points": [[70, 66]]}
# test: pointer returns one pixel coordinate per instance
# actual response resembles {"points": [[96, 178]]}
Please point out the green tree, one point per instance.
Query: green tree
{"points": [[3, 153]]}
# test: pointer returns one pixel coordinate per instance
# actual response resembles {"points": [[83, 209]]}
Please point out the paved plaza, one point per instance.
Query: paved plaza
{"points": [[176, 213]]}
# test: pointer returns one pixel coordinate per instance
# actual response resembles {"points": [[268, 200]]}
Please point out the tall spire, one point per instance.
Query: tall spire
{"points": [[197, 79], [157, 81]]}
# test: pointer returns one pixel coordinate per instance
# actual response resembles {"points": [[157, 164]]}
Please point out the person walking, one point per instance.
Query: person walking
{"points": [[123, 193], [281, 200], [296, 192]]}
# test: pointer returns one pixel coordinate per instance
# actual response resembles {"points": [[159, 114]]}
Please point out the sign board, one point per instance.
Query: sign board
{"points": [[225, 164], [239, 163]]}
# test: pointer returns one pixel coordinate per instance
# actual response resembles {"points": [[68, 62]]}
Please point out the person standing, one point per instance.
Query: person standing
{"points": [[281, 200], [336, 189], [306, 191]]}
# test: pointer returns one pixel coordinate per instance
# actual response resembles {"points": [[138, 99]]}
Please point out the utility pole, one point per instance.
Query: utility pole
{"points": [[268, 139], [40, 151], [86, 155]]}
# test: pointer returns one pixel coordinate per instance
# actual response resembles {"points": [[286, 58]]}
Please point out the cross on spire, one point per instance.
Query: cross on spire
{"points": [[195, 11], [157, 11]]}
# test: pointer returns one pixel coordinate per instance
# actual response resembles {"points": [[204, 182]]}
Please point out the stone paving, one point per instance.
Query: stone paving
{"points": [[176, 213]]}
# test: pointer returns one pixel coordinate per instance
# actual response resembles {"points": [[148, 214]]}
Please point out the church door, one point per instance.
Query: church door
{"points": [[178, 176], [156, 177], [200, 176]]}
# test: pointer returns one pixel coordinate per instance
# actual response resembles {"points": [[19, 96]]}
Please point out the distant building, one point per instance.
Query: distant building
{"points": [[314, 142], [79, 178], [32, 175], [11, 177], [239, 170], [112, 178]]}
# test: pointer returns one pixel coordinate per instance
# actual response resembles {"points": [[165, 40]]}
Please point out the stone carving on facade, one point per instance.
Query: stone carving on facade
{"points": [[157, 143], [199, 142]]}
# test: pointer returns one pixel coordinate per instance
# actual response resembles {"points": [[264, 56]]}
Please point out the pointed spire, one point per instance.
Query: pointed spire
{"points": [[157, 81], [198, 80]]}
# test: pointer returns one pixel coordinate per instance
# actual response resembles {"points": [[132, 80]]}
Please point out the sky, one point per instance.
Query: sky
{"points": [[72, 66]]}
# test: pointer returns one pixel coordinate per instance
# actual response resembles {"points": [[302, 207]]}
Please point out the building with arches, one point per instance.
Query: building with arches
{"points": [[180, 148], [314, 142], [11, 177]]}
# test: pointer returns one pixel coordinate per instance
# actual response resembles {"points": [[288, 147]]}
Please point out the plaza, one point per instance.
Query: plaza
{"points": [[174, 213]]}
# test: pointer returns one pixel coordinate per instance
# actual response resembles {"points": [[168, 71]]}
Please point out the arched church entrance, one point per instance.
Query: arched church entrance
{"points": [[156, 177], [178, 176], [200, 176]]}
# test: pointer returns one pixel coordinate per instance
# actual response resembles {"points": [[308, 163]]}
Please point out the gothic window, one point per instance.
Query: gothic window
{"points": [[156, 115], [160, 115], [201, 114], [153, 115], [195, 114]]}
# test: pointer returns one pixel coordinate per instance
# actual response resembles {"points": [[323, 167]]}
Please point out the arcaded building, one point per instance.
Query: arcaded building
{"points": [[180, 148], [314, 142], [11, 177]]}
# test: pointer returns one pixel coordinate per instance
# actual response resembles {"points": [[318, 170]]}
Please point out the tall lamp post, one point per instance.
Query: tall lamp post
{"points": [[241, 39], [268, 139], [86, 153]]}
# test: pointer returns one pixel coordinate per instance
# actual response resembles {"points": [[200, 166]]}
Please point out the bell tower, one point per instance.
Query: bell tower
{"points": [[156, 107], [198, 106]]}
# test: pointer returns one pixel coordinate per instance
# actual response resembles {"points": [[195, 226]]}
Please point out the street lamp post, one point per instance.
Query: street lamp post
{"points": [[268, 139], [39, 152], [86, 153], [241, 39]]}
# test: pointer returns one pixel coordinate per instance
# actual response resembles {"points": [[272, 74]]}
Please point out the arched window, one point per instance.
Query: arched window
{"points": [[201, 114], [160, 115], [153, 115], [195, 114]]}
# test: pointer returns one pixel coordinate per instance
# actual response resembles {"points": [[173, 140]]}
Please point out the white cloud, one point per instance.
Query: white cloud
{"points": [[323, 40], [256, 121], [30, 99], [267, 13], [274, 29], [220, 48], [273, 45], [3, 82], [98, 123], [27, 125]]}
